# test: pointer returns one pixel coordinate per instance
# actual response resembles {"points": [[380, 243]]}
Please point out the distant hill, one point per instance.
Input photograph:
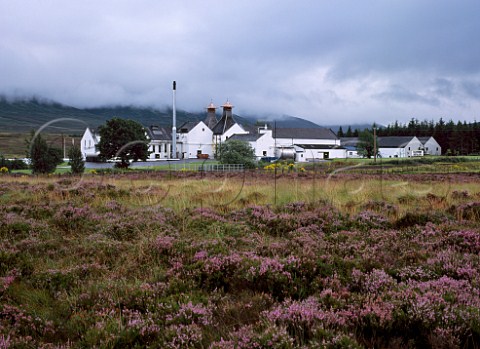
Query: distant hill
{"points": [[28, 114], [25, 115], [285, 121]]}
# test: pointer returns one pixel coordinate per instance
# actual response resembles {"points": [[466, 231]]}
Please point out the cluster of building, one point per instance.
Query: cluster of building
{"points": [[200, 140]]}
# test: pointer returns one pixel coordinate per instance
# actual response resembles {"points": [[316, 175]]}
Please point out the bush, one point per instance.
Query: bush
{"points": [[44, 159], [77, 164], [10, 165], [236, 152]]}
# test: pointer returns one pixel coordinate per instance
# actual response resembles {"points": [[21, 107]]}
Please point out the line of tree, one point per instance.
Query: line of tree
{"points": [[459, 138]]}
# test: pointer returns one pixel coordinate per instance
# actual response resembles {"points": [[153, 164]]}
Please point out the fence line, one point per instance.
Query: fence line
{"points": [[208, 167]]}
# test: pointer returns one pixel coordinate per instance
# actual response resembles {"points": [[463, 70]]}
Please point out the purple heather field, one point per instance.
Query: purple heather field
{"points": [[85, 266]]}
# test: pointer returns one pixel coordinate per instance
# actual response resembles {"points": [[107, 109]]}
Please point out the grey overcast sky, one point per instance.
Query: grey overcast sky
{"points": [[328, 61]]}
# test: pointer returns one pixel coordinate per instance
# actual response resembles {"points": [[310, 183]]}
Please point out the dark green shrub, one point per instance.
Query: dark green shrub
{"points": [[44, 158], [77, 164]]}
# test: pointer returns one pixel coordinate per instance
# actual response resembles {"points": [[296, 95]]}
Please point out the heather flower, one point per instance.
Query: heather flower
{"points": [[143, 323], [113, 205], [190, 313], [176, 268], [184, 336], [371, 220], [207, 215], [377, 281], [295, 207], [200, 255], [164, 243], [73, 219], [5, 342], [375, 312], [243, 338], [419, 273], [5, 283], [467, 240], [222, 263], [305, 314]]}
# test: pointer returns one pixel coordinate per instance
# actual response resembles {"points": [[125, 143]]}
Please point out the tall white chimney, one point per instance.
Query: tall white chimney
{"points": [[174, 124]]}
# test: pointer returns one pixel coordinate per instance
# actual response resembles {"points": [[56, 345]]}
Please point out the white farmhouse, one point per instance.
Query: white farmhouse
{"points": [[430, 146], [308, 144], [196, 138], [159, 142], [262, 142], [395, 147], [399, 147], [299, 144], [350, 145], [313, 152], [88, 144]]}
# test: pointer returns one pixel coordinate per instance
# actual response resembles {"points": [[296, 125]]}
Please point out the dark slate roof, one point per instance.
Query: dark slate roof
{"points": [[187, 126], [224, 124], [394, 142], [304, 133], [159, 133], [423, 140], [319, 146], [95, 135], [250, 128], [211, 120], [250, 137], [383, 142]]}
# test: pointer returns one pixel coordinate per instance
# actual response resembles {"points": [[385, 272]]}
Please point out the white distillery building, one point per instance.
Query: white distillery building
{"points": [[227, 126], [196, 139], [160, 142], [308, 144], [350, 145], [430, 146], [88, 144], [399, 147], [199, 140], [298, 144], [261, 141], [395, 147]]}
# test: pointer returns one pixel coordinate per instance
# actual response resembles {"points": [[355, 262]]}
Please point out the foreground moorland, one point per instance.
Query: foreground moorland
{"points": [[240, 261]]}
